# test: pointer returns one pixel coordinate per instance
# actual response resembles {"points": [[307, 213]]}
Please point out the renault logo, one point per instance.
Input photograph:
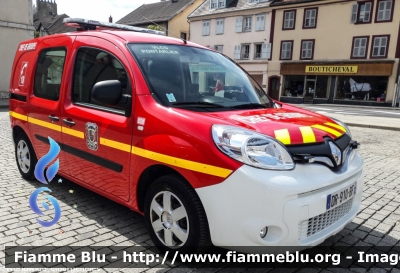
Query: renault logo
{"points": [[336, 153]]}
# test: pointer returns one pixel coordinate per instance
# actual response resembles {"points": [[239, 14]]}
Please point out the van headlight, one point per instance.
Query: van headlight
{"points": [[341, 123], [252, 148]]}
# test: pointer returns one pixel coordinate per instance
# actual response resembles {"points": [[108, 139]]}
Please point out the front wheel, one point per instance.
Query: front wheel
{"points": [[175, 216]]}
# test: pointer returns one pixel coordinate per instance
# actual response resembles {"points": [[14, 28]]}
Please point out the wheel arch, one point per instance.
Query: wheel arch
{"points": [[148, 176]]}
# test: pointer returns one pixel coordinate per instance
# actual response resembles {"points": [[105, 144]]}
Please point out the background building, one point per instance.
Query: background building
{"points": [[16, 25], [239, 29], [335, 51], [170, 15], [46, 19]]}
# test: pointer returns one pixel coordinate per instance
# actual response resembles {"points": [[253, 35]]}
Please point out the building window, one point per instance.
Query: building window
{"points": [[310, 18], [262, 51], [183, 35], [286, 50], [245, 52], [384, 12], [215, 4], [307, 49], [206, 28], [372, 88], [247, 24], [218, 48], [361, 12], [49, 70], [289, 18], [219, 29], [359, 48], [221, 4], [380, 45], [260, 22]]}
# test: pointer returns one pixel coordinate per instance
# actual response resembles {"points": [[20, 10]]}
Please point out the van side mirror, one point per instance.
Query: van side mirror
{"points": [[107, 93]]}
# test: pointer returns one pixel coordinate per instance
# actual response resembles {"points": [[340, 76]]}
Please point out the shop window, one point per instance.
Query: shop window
{"points": [[293, 86], [384, 11], [286, 50], [380, 45], [307, 49], [310, 18], [362, 88], [289, 18], [359, 48], [321, 87], [361, 12], [206, 28]]}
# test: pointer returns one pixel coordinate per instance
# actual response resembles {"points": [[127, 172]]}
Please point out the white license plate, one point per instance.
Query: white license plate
{"points": [[339, 197]]}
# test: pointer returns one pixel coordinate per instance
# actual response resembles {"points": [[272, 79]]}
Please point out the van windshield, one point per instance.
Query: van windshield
{"points": [[195, 78]]}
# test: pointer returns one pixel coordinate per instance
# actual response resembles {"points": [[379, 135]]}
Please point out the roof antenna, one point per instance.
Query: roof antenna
{"points": [[184, 41]]}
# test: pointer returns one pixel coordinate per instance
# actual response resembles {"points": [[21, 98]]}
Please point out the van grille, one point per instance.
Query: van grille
{"points": [[320, 222]]}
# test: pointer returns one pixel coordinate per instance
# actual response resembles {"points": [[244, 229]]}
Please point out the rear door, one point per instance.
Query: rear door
{"points": [[98, 138], [45, 99]]}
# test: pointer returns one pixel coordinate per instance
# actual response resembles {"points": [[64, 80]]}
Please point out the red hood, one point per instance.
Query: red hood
{"points": [[290, 125]]}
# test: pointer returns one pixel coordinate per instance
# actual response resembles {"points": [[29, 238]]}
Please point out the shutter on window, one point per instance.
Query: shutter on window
{"points": [[313, 16], [267, 51], [288, 50], [388, 10], [264, 51], [286, 20], [237, 52], [367, 13], [363, 46], [354, 11], [381, 11], [221, 26], [261, 23], [291, 20], [239, 24], [356, 51]]}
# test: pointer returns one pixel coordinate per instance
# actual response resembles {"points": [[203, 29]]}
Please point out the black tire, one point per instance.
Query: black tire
{"points": [[198, 234], [22, 142]]}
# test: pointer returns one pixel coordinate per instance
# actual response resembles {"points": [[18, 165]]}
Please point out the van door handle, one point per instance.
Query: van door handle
{"points": [[69, 122], [54, 118]]}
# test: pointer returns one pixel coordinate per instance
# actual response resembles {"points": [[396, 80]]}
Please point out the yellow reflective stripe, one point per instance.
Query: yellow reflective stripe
{"points": [[307, 134], [115, 144], [341, 128], [45, 124], [182, 163], [72, 132], [18, 116], [327, 129], [283, 136]]}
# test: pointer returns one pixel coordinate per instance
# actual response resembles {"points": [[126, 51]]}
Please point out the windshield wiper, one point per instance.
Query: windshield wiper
{"points": [[249, 106], [197, 103]]}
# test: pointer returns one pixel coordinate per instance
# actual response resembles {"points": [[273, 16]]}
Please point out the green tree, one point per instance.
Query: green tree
{"points": [[153, 27]]}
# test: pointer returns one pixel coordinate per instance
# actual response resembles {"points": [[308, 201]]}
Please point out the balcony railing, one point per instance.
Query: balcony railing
{"points": [[244, 56]]}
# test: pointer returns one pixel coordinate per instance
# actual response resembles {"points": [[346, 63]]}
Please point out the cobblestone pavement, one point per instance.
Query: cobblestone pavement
{"points": [[89, 219]]}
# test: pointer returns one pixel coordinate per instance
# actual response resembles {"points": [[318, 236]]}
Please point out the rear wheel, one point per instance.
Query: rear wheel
{"points": [[25, 157], [175, 216]]}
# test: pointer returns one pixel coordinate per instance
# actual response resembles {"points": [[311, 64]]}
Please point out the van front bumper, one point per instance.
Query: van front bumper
{"points": [[292, 204]]}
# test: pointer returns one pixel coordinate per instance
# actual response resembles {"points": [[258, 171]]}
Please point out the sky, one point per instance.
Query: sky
{"points": [[99, 10]]}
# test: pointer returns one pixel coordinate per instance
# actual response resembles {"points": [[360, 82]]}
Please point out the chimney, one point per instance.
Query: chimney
{"points": [[110, 19]]}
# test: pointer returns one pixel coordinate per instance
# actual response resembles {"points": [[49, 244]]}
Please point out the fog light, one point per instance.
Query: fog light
{"points": [[263, 232]]}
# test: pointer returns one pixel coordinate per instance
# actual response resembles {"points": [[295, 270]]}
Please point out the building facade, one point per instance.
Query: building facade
{"points": [[16, 25], [169, 15], [239, 29], [334, 51]]}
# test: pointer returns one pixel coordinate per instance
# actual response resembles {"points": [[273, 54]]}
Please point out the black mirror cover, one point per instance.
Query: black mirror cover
{"points": [[107, 93]]}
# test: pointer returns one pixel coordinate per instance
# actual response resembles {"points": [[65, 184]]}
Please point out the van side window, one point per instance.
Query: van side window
{"points": [[93, 66], [48, 74]]}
